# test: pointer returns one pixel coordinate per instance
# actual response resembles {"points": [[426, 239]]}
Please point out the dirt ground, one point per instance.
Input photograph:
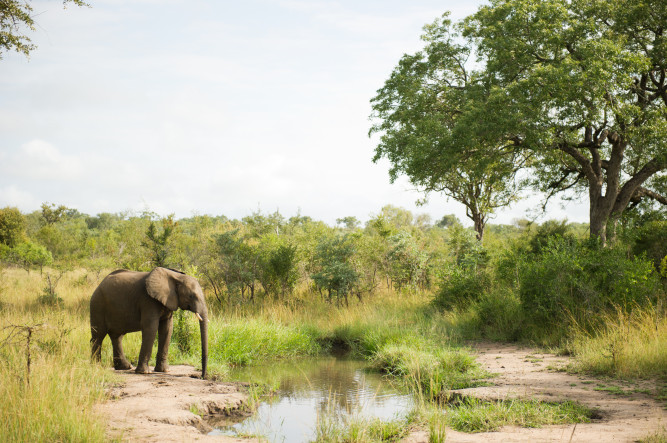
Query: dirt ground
{"points": [[176, 407], [169, 407], [525, 373]]}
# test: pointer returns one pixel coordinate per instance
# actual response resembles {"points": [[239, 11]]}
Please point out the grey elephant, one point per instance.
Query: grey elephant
{"points": [[129, 301]]}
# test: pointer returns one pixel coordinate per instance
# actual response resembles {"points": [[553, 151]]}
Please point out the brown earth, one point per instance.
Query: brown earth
{"points": [[179, 407], [171, 407], [526, 373]]}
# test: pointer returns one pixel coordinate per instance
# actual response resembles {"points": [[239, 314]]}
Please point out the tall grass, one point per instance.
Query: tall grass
{"points": [[55, 402], [624, 344]]}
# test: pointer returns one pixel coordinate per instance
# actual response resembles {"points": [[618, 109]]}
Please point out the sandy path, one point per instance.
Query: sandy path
{"points": [[523, 372], [157, 407]]}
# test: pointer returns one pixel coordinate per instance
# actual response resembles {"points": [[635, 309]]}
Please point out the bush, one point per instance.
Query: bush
{"points": [[462, 288], [500, 315], [651, 239], [573, 280]]}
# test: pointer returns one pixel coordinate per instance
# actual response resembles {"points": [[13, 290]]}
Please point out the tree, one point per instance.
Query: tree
{"points": [[238, 263], [448, 220], [417, 113], [12, 226], [335, 271], [28, 255], [52, 214], [159, 243], [15, 16], [580, 88]]}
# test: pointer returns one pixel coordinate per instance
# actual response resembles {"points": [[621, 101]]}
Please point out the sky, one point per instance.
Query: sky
{"points": [[214, 107]]}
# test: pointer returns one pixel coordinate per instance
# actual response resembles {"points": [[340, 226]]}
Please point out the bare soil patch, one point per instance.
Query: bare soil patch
{"points": [[624, 416], [173, 407]]}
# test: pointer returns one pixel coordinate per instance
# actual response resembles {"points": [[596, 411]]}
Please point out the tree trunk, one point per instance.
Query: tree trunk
{"points": [[478, 222]]}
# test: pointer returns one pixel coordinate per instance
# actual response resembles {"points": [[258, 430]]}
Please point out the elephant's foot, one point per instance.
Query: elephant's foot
{"points": [[122, 365], [161, 367], [143, 370]]}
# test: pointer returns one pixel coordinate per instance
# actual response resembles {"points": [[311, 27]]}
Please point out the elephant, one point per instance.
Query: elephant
{"points": [[129, 301]]}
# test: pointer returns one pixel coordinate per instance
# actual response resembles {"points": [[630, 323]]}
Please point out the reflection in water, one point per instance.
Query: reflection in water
{"points": [[339, 387]]}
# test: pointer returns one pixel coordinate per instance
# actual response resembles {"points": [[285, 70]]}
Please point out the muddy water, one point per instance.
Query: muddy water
{"points": [[308, 390]]}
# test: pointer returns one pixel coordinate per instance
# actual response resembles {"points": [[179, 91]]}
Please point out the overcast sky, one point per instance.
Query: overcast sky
{"points": [[212, 107]]}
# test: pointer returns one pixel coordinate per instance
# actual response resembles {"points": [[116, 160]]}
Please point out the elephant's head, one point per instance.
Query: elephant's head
{"points": [[176, 290]]}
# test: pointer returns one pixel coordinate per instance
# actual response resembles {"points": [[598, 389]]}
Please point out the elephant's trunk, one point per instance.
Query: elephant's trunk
{"points": [[203, 328]]}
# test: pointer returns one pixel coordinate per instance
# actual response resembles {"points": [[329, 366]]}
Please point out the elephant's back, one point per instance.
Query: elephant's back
{"points": [[122, 279]]}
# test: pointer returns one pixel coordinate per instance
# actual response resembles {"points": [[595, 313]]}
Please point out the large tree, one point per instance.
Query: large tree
{"points": [[574, 89], [579, 85], [416, 114], [17, 17]]}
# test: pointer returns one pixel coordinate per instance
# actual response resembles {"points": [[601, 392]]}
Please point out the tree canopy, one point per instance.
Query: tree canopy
{"points": [[572, 90], [417, 113]]}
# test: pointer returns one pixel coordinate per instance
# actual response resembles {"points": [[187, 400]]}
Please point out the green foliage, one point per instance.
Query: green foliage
{"points": [[499, 315], [408, 261], [184, 334], [29, 255], [49, 295], [582, 280], [331, 430], [462, 288], [564, 90], [280, 269], [416, 113], [335, 272], [52, 214], [238, 262], [159, 244], [15, 16], [547, 232], [12, 226], [651, 239]]}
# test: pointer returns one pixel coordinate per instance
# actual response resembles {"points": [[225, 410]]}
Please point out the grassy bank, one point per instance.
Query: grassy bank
{"points": [[44, 401]]}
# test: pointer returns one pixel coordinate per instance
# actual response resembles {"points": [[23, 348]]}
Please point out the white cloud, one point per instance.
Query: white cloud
{"points": [[40, 160], [13, 196]]}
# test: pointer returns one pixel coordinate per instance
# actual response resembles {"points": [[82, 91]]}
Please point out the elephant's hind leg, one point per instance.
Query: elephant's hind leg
{"points": [[120, 362], [96, 339]]}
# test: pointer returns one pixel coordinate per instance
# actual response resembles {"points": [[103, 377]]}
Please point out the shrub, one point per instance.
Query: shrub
{"points": [[462, 288], [651, 239], [573, 280], [500, 315]]}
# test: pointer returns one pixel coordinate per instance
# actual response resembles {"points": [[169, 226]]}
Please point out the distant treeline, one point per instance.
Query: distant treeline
{"points": [[269, 255]]}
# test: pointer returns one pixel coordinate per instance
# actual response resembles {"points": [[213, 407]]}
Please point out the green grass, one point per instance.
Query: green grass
{"points": [[473, 415], [360, 430], [428, 370], [615, 390]]}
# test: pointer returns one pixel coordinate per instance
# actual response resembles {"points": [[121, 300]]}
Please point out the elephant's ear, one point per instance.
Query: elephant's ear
{"points": [[161, 285]]}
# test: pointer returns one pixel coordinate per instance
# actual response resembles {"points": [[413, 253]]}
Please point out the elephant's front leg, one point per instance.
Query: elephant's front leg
{"points": [[163, 339], [148, 332]]}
